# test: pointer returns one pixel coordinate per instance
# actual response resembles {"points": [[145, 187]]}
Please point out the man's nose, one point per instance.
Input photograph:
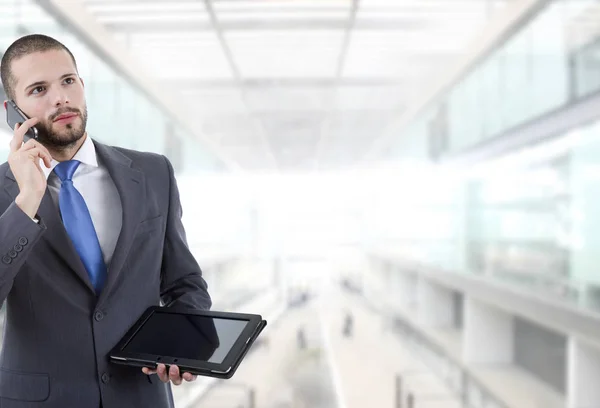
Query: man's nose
{"points": [[60, 98]]}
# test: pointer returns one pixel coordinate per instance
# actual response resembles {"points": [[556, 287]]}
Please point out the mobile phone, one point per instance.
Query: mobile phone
{"points": [[15, 115]]}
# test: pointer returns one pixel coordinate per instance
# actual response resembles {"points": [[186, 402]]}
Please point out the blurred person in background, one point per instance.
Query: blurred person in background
{"points": [[90, 237], [348, 324]]}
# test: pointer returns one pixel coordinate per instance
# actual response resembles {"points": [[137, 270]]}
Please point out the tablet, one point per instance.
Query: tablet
{"points": [[204, 343]]}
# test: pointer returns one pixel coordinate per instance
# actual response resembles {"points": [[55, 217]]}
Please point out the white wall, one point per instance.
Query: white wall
{"points": [[583, 378], [488, 334], [435, 304]]}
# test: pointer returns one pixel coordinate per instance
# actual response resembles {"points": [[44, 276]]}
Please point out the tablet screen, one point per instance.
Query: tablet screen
{"points": [[186, 336]]}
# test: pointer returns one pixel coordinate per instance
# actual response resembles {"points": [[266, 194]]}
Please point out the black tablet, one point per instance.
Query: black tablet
{"points": [[199, 342]]}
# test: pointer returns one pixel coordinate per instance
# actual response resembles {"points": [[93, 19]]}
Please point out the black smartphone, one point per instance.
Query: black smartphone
{"points": [[15, 115]]}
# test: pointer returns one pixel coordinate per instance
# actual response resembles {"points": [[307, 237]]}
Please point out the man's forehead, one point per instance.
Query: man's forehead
{"points": [[41, 66]]}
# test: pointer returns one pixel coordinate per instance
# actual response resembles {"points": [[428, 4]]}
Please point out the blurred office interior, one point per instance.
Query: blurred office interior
{"points": [[405, 189]]}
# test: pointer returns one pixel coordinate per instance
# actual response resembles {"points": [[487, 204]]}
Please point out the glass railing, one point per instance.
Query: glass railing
{"points": [[456, 376], [548, 63], [472, 393], [529, 219]]}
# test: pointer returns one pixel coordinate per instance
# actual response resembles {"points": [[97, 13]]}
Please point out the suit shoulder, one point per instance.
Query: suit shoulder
{"points": [[144, 160], [137, 155]]}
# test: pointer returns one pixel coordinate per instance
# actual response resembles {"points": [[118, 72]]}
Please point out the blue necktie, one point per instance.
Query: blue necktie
{"points": [[78, 223]]}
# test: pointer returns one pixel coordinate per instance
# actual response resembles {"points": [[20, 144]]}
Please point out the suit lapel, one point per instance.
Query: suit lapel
{"points": [[130, 184], [56, 236]]}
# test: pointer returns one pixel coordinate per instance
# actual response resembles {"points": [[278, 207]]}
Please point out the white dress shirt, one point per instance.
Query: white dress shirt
{"points": [[99, 192]]}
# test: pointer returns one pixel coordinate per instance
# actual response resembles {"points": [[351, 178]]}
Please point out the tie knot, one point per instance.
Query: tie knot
{"points": [[65, 170]]}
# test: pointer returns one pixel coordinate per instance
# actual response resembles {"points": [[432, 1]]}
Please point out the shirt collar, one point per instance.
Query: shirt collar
{"points": [[86, 155]]}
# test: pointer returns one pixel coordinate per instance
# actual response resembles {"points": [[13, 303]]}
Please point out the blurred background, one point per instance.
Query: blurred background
{"points": [[405, 189]]}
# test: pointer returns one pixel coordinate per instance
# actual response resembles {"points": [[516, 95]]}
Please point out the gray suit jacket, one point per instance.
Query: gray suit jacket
{"points": [[57, 332]]}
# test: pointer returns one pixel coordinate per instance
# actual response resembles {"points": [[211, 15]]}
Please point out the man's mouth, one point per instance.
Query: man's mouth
{"points": [[66, 117]]}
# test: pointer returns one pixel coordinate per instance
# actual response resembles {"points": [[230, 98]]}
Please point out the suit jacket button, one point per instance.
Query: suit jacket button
{"points": [[105, 378], [18, 247], [98, 315], [23, 241], [12, 253], [6, 259]]}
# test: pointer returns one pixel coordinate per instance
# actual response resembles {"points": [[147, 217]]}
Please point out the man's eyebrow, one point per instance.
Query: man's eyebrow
{"points": [[35, 84], [39, 83]]}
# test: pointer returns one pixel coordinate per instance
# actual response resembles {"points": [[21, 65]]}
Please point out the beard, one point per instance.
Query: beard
{"points": [[66, 137]]}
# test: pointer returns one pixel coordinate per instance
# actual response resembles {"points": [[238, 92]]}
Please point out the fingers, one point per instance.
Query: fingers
{"points": [[44, 154], [16, 141], [38, 152], [172, 374], [189, 377], [162, 373], [19, 133]]}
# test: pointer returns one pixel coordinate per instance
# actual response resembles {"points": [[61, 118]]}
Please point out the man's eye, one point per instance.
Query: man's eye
{"points": [[69, 80], [38, 90]]}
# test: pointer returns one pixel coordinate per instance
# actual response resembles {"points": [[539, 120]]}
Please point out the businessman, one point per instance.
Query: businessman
{"points": [[90, 236]]}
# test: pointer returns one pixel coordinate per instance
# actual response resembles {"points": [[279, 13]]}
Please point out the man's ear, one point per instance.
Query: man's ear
{"points": [[5, 102]]}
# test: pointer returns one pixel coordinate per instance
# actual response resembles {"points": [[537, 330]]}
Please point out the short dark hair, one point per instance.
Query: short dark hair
{"points": [[23, 46]]}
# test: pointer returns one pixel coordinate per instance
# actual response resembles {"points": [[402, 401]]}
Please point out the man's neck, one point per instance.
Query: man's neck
{"points": [[68, 152]]}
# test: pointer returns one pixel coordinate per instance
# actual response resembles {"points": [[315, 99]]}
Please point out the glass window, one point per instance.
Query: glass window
{"points": [[516, 81], [491, 98], [586, 61], [552, 59], [549, 62]]}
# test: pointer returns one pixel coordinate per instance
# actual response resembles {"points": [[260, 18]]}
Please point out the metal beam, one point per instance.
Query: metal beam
{"points": [[216, 26], [446, 5], [254, 83], [283, 24], [350, 25], [283, 115], [238, 79]]}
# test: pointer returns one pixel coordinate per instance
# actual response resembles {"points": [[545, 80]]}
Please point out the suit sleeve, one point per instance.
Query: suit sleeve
{"points": [[182, 283], [18, 235]]}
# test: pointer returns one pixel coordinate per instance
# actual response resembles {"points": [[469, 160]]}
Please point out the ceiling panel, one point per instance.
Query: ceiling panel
{"points": [[287, 99], [368, 98], [280, 5], [181, 55], [131, 7], [289, 15], [229, 129], [213, 101], [239, 135], [149, 12], [282, 54], [348, 134], [397, 54], [293, 137]]}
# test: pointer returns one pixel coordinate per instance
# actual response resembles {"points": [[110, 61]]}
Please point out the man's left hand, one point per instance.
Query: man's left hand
{"points": [[172, 375]]}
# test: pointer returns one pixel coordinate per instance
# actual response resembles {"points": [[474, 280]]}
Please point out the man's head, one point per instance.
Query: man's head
{"points": [[40, 74]]}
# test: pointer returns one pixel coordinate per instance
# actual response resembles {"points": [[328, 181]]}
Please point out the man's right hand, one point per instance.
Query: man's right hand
{"points": [[24, 161]]}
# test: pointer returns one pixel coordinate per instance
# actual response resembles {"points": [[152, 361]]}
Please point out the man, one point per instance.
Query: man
{"points": [[90, 236]]}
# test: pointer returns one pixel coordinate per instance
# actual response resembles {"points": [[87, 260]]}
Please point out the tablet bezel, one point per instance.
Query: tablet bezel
{"points": [[118, 355]]}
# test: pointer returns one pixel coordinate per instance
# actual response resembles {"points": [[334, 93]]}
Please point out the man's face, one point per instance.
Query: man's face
{"points": [[49, 88]]}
